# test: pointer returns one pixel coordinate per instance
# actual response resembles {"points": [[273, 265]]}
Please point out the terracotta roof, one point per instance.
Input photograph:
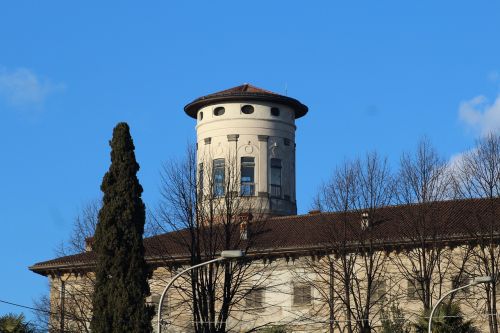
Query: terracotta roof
{"points": [[244, 88], [245, 92], [455, 221]]}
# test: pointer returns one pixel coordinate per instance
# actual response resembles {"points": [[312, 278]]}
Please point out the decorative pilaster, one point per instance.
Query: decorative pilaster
{"points": [[263, 166], [232, 156], [233, 147]]}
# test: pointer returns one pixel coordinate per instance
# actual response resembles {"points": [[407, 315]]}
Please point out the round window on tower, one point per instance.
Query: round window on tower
{"points": [[219, 111], [275, 112], [247, 109]]}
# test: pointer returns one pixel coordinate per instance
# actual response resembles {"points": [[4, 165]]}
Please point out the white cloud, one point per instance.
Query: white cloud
{"points": [[480, 115], [456, 160], [22, 87]]}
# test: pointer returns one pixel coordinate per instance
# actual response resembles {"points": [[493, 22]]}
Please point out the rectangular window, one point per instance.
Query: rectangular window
{"points": [[301, 295], [458, 281], [155, 301], [219, 175], [275, 178], [379, 291], [255, 299], [247, 176], [412, 290]]}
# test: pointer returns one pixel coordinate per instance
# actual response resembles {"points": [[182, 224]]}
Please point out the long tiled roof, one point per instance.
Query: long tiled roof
{"points": [[242, 93], [392, 227]]}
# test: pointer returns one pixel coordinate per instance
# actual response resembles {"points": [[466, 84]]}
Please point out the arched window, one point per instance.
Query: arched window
{"points": [[200, 115]]}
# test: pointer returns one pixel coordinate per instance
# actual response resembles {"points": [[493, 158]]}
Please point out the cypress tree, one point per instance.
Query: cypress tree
{"points": [[121, 288]]}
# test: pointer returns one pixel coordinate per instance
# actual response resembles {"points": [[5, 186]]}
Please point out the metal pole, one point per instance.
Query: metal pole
{"points": [[476, 281], [175, 278]]}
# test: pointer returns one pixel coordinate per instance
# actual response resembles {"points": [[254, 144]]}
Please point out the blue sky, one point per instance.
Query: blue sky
{"points": [[375, 75]]}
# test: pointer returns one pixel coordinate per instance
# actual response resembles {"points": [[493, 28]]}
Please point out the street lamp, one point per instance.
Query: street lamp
{"points": [[473, 282], [229, 254]]}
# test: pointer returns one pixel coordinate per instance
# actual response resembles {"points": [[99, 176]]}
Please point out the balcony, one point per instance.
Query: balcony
{"points": [[275, 191]]}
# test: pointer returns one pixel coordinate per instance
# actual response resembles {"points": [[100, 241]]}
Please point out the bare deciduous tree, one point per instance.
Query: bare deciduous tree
{"points": [[351, 277], [423, 182], [70, 308], [477, 175], [75, 310], [206, 209]]}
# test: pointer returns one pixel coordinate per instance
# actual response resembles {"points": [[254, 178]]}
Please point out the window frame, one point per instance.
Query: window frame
{"points": [[219, 164], [155, 301], [300, 297], [219, 111], [412, 290], [275, 188], [254, 300], [379, 290], [250, 164], [460, 280], [247, 109]]}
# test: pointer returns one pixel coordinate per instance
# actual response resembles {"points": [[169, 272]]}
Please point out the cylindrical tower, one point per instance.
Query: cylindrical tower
{"points": [[246, 135]]}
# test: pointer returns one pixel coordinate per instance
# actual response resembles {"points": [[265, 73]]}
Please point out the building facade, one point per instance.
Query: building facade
{"points": [[318, 272], [249, 133]]}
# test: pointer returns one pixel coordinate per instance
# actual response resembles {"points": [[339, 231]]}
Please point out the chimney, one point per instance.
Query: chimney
{"points": [[245, 219], [365, 221], [88, 244], [244, 230]]}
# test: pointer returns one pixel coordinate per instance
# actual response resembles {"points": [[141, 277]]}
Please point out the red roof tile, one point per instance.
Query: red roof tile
{"points": [[394, 226], [248, 88], [245, 92]]}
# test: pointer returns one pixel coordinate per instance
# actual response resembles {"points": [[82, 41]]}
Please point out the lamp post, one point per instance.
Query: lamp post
{"points": [[475, 281], [229, 254]]}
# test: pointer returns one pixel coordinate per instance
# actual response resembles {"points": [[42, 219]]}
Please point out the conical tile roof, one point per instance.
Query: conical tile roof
{"points": [[242, 93]]}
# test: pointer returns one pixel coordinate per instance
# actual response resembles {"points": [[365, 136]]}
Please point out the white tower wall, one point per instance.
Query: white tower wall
{"points": [[262, 139]]}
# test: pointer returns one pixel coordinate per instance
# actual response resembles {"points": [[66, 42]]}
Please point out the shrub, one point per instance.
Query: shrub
{"points": [[447, 319]]}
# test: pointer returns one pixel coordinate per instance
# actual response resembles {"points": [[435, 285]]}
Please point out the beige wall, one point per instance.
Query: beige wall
{"points": [[277, 278], [259, 135]]}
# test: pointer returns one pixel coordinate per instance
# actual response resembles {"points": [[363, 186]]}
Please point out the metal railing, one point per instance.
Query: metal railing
{"points": [[275, 191], [247, 189]]}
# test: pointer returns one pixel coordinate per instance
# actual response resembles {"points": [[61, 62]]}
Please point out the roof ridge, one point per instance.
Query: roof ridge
{"points": [[394, 206], [454, 217], [242, 88]]}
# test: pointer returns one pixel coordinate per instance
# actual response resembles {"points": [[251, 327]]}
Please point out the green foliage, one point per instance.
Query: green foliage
{"points": [[11, 323], [119, 300], [393, 321], [274, 329], [447, 319]]}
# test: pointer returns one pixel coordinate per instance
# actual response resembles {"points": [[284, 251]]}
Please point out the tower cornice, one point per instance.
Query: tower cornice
{"points": [[245, 93]]}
